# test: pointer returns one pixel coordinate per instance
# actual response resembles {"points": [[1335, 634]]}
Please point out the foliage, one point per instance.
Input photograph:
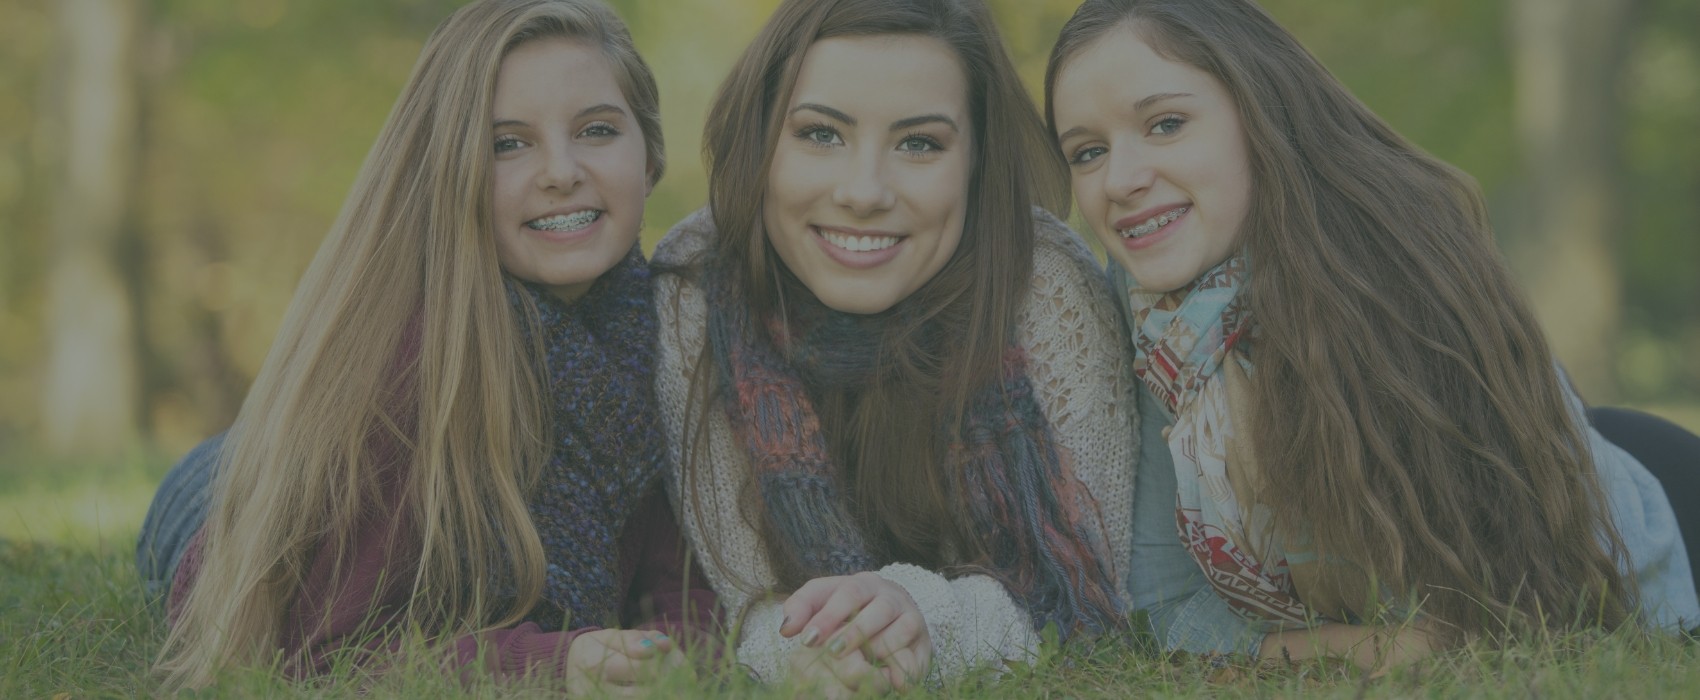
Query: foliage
{"points": [[256, 115]]}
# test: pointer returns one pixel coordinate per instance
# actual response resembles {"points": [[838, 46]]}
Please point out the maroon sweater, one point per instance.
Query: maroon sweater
{"points": [[360, 611]]}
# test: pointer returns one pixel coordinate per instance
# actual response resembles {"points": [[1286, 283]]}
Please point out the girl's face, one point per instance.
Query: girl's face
{"points": [[570, 172], [1157, 156], [869, 184]]}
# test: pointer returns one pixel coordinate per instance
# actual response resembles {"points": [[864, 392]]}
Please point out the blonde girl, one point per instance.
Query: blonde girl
{"points": [[455, 430]]}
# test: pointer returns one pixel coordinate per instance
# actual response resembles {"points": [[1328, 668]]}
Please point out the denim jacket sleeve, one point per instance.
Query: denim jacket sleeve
{"points": [[1642, 514]]}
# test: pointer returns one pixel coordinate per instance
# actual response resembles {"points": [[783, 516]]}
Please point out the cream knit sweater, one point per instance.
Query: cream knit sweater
{"points": [[1081, 370]]}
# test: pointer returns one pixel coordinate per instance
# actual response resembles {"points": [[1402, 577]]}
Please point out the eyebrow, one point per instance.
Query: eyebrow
{"points": [[1140, 106], [912, 122], [603, 108], [899, 125]]}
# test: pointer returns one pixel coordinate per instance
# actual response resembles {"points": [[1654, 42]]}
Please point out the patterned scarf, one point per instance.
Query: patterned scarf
{"points": [[1181, 340], [608, 447], [1020, 493]]}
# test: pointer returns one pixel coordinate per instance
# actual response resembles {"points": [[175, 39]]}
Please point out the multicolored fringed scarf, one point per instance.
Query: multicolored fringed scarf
{"points": [[608, 448], [1021, 494], [1181, 340]]}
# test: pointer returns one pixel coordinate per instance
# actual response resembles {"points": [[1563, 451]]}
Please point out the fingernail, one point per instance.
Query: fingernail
{"points": [[648, 643], [663, 636], [836, 645], [809, 636]]}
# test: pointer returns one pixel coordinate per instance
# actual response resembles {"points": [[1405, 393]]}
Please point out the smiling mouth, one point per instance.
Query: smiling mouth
{"points": [[857, 244], [1150, 226], [566, 222]]}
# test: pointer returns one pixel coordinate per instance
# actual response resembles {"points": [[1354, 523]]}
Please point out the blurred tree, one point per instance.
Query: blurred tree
{"points": [[89, 406], [1569, 57], [247, 120]]}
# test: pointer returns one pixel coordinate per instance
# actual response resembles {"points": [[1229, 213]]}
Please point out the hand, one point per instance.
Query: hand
{"points": [[1377, 649], [619, 662], [820, 673], [862, 613]]}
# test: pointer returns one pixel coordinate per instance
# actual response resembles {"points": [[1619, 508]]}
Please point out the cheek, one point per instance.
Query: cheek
{"points": [[791, 185], [943, 193]]}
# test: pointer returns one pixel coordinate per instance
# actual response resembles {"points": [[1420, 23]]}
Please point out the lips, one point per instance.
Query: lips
{"points": [[855, 243], [566, 223], [1151, 224], [856, 248]]}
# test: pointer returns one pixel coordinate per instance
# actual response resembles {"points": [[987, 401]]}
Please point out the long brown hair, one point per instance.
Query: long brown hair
{"points": [[410, 260], [1407, 410], [885, 436]]}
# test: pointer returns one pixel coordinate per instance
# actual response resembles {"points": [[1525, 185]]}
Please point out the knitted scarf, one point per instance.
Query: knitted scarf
{"points": [[608, 447], [1182, 338], [1019, 491]]}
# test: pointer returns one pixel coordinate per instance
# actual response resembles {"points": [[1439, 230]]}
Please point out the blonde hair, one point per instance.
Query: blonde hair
{"points": [[400, 333]]}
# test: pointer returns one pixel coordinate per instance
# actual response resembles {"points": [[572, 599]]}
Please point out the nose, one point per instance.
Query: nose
{"points": [[863, 188], [1128, 174], [562, 170]]}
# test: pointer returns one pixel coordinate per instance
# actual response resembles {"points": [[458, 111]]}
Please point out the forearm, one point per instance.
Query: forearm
{"points": [[1369, 647], [971, 623]]}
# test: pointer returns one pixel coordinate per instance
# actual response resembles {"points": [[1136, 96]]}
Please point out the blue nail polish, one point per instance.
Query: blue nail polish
{"points": [[648, 643]]}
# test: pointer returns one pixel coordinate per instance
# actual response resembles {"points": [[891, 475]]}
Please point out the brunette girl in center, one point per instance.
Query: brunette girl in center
{"points": [[1357, 440], [894, 379]]}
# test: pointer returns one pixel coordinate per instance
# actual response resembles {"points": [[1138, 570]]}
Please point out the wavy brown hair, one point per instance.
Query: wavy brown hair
{"points": [[1408, 412], [885, 435], [411, 261]]}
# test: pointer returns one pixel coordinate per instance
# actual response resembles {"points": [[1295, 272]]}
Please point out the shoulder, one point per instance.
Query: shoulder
{"points": [[1067, 278], [1055, 245], [687, 242]]}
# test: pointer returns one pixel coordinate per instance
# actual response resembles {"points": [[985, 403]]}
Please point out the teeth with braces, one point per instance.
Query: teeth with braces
{"points": [[566, 222], [1154, 223], [859, 244]]}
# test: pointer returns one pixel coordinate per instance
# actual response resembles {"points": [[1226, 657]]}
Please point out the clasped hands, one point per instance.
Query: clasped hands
{"points": [[859, 631]]}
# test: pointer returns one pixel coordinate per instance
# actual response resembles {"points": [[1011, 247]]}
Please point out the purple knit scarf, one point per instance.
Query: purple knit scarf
{"points": [[1019, 491], [608, 448]]}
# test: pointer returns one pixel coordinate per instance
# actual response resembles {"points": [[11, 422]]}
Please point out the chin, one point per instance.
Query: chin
{"points": [[855, 303]]}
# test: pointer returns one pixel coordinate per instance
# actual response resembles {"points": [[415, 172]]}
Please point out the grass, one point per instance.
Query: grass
{"points": [[74, 624]]}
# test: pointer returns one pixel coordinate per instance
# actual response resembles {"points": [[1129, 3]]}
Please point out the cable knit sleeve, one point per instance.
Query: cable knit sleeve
{"points": [[1079, 371]]}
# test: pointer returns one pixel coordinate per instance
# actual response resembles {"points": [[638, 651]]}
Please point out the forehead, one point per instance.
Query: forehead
{"points": [[1120, 66], [555, 70], [888, 74]]}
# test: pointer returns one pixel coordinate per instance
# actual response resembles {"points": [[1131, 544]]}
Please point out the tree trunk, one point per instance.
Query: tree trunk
{"points": [[1568, 56], [89, 406]]}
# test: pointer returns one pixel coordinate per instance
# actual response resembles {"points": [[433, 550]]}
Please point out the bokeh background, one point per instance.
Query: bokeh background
{"points": [[168, 167]]}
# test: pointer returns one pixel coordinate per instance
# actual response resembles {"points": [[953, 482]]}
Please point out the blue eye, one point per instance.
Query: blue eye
{"points": [[1087, 155], [820, 135], [1168, 125], [507, 143], [919, 144]]}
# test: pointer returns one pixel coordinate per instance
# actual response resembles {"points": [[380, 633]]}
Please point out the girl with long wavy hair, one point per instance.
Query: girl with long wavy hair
{"points": [[892, 378], [455, 432], [1369, 438]]}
